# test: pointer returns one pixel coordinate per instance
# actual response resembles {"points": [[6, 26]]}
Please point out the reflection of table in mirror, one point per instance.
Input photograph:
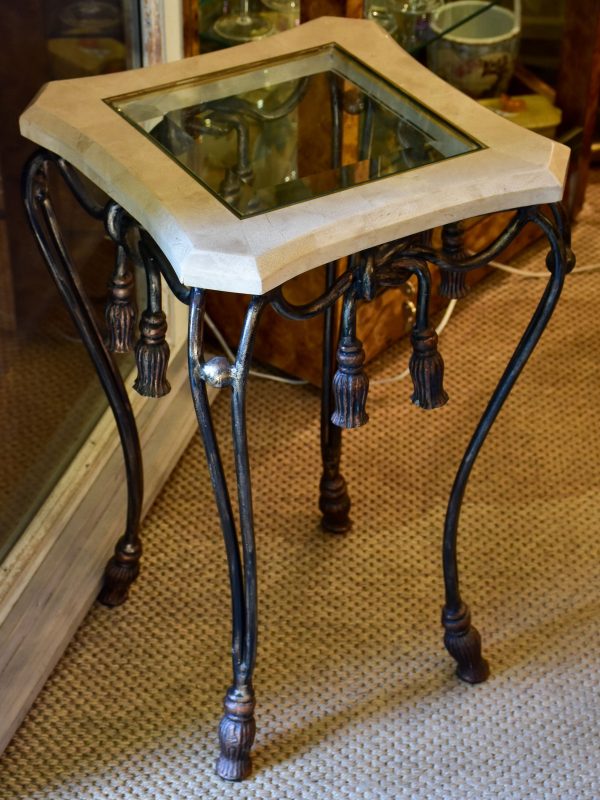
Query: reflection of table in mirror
{"points": [[202, 197]]}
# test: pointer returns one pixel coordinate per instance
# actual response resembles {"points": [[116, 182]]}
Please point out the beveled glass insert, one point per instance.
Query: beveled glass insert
{"points": [[291, 129]]}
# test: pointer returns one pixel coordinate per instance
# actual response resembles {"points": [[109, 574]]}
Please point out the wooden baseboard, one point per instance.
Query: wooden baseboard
{"points": [[52, 576]]}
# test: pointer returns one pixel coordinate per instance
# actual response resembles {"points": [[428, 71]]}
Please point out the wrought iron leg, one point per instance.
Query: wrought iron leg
{"points": [[123, 568], [334, 502], [462, 640], [237, 728]]}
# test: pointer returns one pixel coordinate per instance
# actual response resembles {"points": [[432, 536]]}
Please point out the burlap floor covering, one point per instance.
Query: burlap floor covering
{"points": [[356, 695]]}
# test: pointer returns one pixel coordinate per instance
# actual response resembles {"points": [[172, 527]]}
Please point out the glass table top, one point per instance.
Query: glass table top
{"points": [[286, 130]]}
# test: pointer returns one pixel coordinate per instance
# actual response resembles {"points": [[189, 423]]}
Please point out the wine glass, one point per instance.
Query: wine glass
{"points": [[406, 20], [380, 11], [413, 21], [283, 6], [242, 25]]}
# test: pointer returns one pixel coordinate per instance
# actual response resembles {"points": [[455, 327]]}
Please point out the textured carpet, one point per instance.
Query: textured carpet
{"points": [[356, 695], [50, 400]]}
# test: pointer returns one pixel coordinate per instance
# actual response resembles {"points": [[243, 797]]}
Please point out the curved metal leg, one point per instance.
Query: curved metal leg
{"points": [[462, 640], [237, 728], [123, 568], [334, 502]]}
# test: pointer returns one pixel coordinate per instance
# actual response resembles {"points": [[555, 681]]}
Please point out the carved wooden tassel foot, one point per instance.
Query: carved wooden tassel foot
{"points": [[427, 370], [120, 308], [152, 356], [350, 385], [121, 572], [463, 642], [334, 504], [236, 734]]}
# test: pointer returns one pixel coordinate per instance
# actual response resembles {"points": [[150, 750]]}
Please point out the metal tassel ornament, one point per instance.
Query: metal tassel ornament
{"points": [[120, 312], [236, 734], [350, 385], [152, 350], [152, 355], [121, 571], [453, 281], [453, 284], [427, 370]]}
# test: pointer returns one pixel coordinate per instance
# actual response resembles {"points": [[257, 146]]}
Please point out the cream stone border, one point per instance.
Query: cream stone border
{"points": [[210, 247]]}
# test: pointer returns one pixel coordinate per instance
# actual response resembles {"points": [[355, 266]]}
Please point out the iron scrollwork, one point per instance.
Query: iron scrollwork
{"points": [[343, 405], [123, 568]]}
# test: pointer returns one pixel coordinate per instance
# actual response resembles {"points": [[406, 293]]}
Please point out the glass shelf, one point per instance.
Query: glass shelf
{"points": [[245, 134]]}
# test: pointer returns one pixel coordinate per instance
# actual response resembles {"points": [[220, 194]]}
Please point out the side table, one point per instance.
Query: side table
{"points": [[213, 186]]}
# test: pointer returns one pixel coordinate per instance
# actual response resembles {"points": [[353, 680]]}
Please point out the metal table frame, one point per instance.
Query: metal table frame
{"points": [[344, 396]]}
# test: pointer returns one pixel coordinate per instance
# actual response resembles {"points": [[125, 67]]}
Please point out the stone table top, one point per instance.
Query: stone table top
{"points": [[210, 246]]}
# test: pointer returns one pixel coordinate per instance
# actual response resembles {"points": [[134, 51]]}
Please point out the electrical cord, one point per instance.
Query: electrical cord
{"points": [[440, 327], [255, 373], [523, 273]]}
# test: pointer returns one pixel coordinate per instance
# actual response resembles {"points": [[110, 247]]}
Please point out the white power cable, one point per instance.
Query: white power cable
{"points": [[523, 273], [297, 382], [220, 338], [442, 324], [231, 356]]}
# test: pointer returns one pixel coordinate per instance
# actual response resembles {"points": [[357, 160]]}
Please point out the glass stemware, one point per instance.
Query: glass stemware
{"points": [[242, 25], [283, 6], [406, 20]]}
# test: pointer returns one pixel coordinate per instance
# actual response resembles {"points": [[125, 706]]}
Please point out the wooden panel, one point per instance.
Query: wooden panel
{"points": [[191, 38], [311, 9], [23, 69], [8, 317], [578, 88]]}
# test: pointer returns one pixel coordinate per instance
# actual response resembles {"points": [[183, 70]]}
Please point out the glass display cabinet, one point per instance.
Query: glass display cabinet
{"points": [[54, 413], [45, 41]]}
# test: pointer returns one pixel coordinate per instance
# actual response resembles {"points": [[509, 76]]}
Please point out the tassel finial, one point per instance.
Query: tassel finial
{"points": [[121, 572], [119, 312], [453, 284], [236, 734], [453, 281], [152, 356], [427, 370], [350, 385], [463, 642]]}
